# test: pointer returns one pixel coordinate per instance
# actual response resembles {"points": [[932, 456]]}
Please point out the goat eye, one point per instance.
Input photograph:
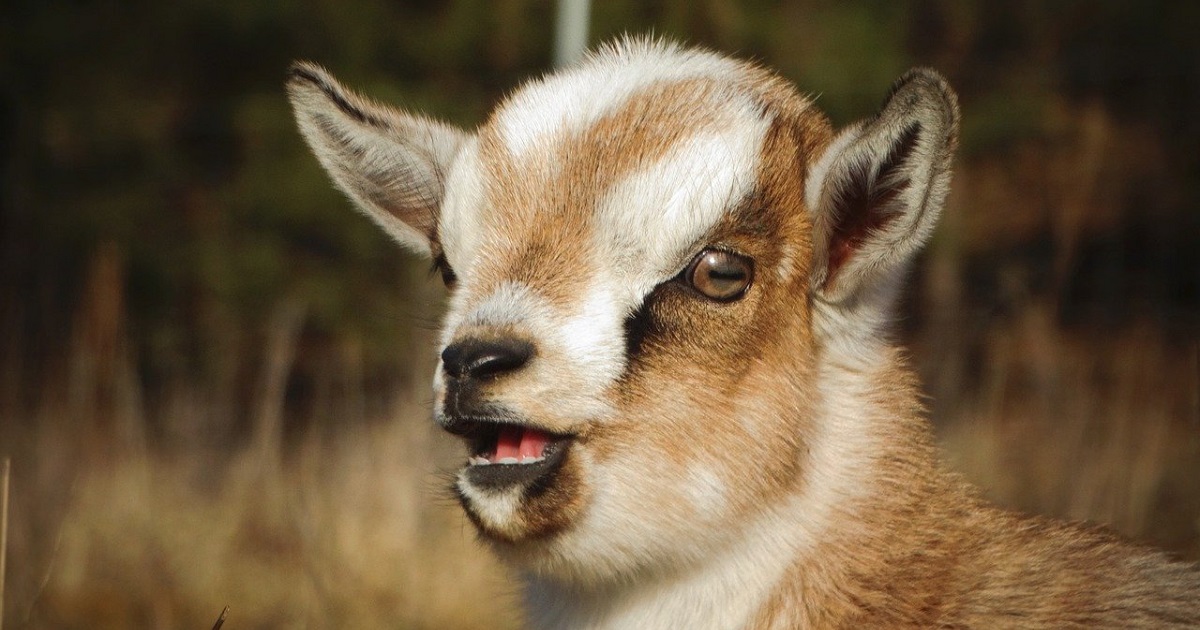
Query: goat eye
{"points": [[720, 275], [441, 266]]}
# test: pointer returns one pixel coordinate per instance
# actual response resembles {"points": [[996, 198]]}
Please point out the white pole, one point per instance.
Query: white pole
{"points": [[571, 33]]}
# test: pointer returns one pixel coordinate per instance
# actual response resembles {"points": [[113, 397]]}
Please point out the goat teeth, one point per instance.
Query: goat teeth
{"points": [[479, 460]]}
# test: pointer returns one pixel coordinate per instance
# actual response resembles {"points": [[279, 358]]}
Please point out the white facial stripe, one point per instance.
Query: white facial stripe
{"points": [[590, 336], [575, 99], [594, 337], [650, 221]]}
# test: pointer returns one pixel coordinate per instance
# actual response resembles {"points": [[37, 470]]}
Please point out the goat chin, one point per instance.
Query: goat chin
{"points": [[666, 353]]}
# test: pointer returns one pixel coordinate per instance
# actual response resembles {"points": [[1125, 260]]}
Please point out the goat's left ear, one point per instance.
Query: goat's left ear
{"points": [[878, 189], [391, 163]]}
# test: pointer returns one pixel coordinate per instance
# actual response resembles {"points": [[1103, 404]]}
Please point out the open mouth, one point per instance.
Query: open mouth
{"points": [[504, 454]]}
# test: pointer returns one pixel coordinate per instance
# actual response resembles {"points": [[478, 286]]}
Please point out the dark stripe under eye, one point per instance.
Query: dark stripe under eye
{"points": [[638, 326]]}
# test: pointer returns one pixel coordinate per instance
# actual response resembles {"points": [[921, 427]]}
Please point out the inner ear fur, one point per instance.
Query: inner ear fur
{"points": [[391, 164], [877, 191]]}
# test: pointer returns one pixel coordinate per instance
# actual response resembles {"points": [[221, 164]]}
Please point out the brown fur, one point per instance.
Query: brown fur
{"points": [[748, 391], [544, 201]]}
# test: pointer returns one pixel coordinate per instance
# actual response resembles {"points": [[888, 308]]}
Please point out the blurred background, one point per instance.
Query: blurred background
{"points": [[214, 373]]}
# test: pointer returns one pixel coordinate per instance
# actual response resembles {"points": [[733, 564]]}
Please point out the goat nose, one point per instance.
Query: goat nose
{"points": [[477, 358]]}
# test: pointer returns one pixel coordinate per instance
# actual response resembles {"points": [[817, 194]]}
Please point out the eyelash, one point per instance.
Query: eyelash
{"points": [[441, 267]]}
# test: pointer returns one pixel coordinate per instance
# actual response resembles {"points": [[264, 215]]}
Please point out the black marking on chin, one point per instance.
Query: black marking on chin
{"points": [[537, 477]]}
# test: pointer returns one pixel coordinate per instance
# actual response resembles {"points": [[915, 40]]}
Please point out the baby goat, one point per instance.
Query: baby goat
{"points": [[666, 352]]}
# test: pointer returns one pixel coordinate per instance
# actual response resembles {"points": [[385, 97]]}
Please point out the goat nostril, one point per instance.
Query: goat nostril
{"points": [[494, 364], [475, 358]]}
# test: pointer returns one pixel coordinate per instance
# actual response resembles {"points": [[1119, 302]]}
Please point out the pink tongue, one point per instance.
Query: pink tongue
{"points": [[509, 443], [533, 443], [520, 443]]}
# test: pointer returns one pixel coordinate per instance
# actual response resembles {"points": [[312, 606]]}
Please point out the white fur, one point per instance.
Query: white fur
{"points": [[508, 304], [723, 590], [497, 508], [706, 489], [726, 580], [572, 100], [844, 448], [651, 223]]}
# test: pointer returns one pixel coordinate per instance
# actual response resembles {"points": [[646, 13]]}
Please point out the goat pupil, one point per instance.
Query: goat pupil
{"points": [[726, 274]]}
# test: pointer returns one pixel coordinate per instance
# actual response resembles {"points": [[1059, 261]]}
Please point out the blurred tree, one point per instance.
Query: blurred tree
{"points": [[161, 131]]}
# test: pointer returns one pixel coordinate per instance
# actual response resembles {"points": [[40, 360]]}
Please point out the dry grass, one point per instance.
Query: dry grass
{"points": [[353, 531], [1105, 429]]}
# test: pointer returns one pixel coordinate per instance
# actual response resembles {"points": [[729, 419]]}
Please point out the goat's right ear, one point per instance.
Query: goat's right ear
{"points": [[392, 164]]}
